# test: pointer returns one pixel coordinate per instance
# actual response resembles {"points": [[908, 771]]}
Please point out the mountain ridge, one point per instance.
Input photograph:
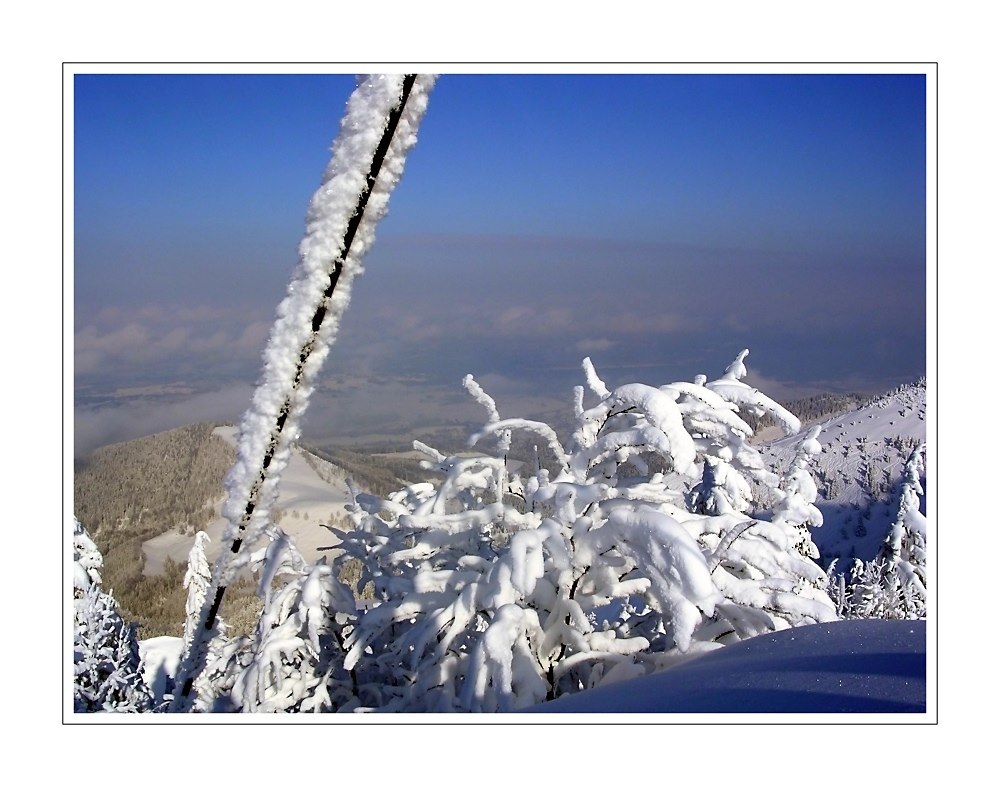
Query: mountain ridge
{"points": [[860, 469]]}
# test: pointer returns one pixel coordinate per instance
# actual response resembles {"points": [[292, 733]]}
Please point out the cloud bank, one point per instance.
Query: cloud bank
{"points": [[522, 312]]}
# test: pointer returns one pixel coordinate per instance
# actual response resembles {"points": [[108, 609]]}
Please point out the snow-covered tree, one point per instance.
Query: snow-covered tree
{"points": [[224, 653], [105, 649], [616, 558], [197, 580], [294, 660], [87, 560], [893, 585], [906, 547]]}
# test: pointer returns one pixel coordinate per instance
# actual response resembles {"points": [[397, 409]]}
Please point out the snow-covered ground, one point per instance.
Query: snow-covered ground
{"points": [[159, 657], [847, 667], [850, 666], [311, 491]]}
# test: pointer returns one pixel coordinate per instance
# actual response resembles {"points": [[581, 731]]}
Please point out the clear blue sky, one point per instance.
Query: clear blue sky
{"points": [[654, 222]]}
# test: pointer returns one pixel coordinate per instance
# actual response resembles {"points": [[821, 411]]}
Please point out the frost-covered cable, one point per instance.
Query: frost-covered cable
{"points": [[377, 131]]}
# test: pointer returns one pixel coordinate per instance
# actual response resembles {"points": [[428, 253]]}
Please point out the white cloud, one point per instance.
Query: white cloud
{"points": [[151, 339]]}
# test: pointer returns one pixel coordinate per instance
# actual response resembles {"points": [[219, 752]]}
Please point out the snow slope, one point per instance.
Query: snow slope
{"points": [[847, 667], [311, 491], [859, 471], [850, 666]]}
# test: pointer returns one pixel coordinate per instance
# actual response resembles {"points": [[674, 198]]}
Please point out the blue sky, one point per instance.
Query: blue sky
{"points": [[658, 223]]}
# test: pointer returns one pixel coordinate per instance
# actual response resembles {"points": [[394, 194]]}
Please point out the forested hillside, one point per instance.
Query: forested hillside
{"points": [[128, 493], [166, 480], [378, 473]]}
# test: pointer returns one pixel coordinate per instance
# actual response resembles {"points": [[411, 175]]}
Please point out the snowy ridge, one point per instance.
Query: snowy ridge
{"points": [[860, 470]]}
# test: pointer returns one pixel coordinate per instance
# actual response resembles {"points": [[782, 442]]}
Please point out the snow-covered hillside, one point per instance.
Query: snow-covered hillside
{"points": [[859, 471], [312, 491]]}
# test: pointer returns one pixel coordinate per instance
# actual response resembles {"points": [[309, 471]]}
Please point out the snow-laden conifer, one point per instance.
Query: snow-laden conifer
{"points": [[196, 581], [226, 655], [106, 665], [87, 559], [906, 546], [894, 585]]}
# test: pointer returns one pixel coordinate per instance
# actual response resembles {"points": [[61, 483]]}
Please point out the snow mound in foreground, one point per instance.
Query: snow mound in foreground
{"points": [[850, 666]]}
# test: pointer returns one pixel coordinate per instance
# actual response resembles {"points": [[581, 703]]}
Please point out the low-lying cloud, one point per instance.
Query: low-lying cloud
{"points": [[517, 313], [150, 411]]}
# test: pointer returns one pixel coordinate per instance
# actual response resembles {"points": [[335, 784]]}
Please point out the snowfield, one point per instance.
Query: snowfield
{"points": [[159, 657], [850, 666]]}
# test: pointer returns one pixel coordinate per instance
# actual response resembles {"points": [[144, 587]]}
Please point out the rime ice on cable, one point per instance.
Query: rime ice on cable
{"points": [[340, 228], [330, 213]]}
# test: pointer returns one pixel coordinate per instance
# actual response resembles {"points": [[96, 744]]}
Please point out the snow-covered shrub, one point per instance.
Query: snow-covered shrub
{"points": [[294, 661], [631, 547], [106, 669], [894, 585]]}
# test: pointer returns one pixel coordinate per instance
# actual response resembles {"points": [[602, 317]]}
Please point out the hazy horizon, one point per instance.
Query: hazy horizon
{"points": [[656, 223]]}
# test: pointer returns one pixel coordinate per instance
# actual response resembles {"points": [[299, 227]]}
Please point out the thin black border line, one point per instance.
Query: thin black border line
{"points": [[937, 427]]}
